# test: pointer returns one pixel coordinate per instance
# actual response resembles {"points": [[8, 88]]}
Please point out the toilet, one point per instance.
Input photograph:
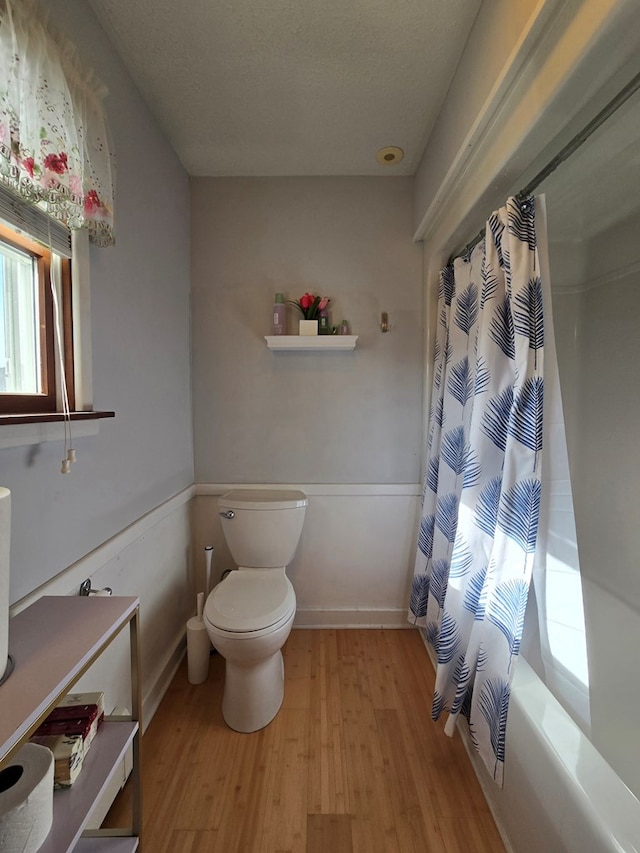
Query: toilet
{"points": [[249, 614]]}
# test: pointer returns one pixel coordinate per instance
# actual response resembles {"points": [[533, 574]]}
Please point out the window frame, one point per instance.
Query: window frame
{"points": [[48, 401]]}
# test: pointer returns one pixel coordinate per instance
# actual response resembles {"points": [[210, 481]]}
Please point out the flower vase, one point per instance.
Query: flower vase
{"points": [[308, 327]]}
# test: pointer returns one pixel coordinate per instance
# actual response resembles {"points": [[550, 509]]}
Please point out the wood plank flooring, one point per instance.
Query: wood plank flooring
{"points": [[351, 764]]}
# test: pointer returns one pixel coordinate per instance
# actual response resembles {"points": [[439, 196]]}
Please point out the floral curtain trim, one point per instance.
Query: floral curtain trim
{"points": [[54, 147]]}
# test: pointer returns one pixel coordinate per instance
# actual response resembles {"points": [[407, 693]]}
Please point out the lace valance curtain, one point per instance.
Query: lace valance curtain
{"points": [[54, 147]]}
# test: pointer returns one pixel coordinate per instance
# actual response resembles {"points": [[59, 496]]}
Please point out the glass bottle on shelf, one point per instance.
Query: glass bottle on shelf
{"points": [[279, 316], [323, 322]]}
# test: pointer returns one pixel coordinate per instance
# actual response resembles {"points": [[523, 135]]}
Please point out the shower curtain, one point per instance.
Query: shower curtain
{"points": [[481, 494]]}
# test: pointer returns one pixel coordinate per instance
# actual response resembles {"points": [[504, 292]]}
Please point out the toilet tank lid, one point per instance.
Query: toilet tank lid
{"points": [[263, 499]]}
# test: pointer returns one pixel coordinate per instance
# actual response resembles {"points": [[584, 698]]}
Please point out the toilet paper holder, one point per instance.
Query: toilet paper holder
{"points": [[85, 589]]}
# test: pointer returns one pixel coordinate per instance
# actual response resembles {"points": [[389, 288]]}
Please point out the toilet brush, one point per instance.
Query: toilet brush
{"points": [[208, 554], [198, 645]]}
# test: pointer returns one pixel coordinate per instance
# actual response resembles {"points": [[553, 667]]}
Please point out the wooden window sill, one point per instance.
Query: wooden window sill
{"points": [[52, 417], [30, 429]]}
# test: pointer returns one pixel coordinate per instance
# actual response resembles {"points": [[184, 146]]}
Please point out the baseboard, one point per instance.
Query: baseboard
{"points": [[350, 618], [151, 701]]}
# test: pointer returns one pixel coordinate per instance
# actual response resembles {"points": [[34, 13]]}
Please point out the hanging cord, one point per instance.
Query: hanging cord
{"points": [[69, 452]]}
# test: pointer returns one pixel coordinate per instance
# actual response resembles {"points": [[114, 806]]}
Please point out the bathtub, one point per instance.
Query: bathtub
{"points": [[559, 793]]}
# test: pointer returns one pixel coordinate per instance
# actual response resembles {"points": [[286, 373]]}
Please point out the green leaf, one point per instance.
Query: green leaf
{"points": [[313, 310]]}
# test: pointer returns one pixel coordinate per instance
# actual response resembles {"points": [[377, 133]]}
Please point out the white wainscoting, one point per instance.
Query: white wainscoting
{"points": [[151, 558], [354, 563]]}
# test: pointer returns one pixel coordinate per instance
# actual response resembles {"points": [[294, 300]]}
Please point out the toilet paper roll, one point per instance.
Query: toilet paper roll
{"points": [[26, 799], [5, 540], [198, 651]]}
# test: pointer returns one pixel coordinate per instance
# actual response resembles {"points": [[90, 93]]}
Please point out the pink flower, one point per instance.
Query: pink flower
{"points": [[310, 305], [92, 202], [307, 301], [56, 163], [28, 163]]}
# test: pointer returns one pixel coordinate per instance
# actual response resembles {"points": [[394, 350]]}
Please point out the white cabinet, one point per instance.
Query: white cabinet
{"points": [[53, 643]]}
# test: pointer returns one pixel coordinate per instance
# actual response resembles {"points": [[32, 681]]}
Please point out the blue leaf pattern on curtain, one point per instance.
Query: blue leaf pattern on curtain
{"points": [[462, 559], [467, 309], [502, 330], [439, 579], [506, 611], [453, 449], [522, 223], [495, 420], [449, 639], [447, 516], [483, 377], [461, 383], [432, 474], [419, 595], [489, 284], [526, 423], [461, 676], [425, 539], [518, 513], [481, 498], [486, 514], [528, 318], [475, 597], [494, 703], [470, 468]]}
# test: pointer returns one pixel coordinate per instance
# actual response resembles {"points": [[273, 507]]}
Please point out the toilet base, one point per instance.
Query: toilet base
{"points": [[253, 694]]}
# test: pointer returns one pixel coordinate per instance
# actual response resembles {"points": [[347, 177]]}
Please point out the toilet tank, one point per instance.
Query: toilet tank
{"points": [[262, 526]]}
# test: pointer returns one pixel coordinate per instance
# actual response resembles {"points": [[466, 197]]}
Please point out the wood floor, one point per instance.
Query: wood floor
{"points": [[351, 764]]}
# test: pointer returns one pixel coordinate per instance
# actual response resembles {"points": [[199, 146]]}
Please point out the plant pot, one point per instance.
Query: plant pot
{"points": [[308, 327]]}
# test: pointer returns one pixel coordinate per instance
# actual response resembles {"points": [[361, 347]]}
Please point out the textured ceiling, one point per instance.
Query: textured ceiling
{"points": [[291, 87]]}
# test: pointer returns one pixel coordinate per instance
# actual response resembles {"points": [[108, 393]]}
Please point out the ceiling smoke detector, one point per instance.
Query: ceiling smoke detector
{"points": [[390, 155]]}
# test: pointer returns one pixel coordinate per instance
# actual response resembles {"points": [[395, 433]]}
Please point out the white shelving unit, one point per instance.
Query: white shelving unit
{"points": [[53, 642], [311, 342]]}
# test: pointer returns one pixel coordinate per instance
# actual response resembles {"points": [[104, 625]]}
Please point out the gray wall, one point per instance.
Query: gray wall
{"points": [[337, 417], [141, 362]]}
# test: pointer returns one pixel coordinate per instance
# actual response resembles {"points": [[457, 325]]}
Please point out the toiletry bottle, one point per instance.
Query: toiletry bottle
{"points": [[344, 328], [279, 315], [323, 322]]}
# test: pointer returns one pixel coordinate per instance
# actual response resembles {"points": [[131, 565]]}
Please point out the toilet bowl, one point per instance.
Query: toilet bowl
{"points": [[249, 614]]}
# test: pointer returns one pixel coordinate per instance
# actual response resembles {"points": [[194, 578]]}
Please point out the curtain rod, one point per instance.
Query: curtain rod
{"points": [[570, 148]]}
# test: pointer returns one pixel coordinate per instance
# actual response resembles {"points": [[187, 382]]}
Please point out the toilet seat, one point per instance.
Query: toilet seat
{"points": [[250, 601]]}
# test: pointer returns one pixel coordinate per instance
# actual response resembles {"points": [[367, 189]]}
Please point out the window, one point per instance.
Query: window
{"points": [[32, 358], [56, 192]]}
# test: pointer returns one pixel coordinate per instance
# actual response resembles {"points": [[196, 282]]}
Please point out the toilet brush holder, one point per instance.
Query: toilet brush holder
{"points": [[198, 647]]}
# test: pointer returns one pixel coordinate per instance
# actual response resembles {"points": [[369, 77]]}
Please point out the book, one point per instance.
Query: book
{"points": [[68, 755], [68, 731], [77, 706], [81, 699]]}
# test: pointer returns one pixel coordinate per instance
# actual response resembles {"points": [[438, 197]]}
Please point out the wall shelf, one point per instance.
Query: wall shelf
{"points": [[311, 342], [53, 642]]}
